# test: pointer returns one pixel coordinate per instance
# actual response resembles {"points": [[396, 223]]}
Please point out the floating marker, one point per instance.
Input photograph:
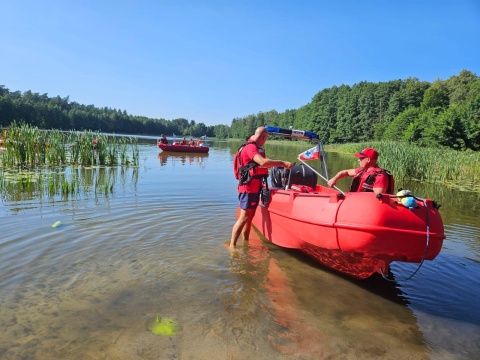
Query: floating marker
{"points": [[56, 223]]}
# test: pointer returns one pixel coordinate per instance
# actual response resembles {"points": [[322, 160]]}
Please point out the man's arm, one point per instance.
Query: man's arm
{"points": [[381, 184], [269, 163], [340, 175]]}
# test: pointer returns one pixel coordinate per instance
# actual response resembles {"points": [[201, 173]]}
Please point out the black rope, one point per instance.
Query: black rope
{"points": [[427, 241]]}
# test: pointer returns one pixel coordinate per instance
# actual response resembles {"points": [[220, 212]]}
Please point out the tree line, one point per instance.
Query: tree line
{"points": [[60, 113], [442, 113]]}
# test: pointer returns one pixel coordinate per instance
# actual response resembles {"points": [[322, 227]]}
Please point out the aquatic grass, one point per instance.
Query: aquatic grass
{"points": [[135, 151], [123, 152], [65, 164], [112, 151], [27, 146], [86, 154], [54, 148], [433, 165], [100, 149]]}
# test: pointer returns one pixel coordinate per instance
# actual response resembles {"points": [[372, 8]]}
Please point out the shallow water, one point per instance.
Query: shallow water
{"points": [[88, 288]]}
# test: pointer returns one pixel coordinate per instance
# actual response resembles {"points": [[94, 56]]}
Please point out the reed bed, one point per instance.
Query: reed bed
{"points": [[27, 146], [62, 164], [432, 165]]}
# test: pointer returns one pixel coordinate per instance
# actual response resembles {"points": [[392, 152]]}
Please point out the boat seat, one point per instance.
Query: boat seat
{"points": [[303, 189], [303, 175], [298, 175]]}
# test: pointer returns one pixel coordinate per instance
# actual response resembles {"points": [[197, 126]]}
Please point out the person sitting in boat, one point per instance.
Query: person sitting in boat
{"points": [[184, 142], [191, 142], [369, 177], [163, 139]]}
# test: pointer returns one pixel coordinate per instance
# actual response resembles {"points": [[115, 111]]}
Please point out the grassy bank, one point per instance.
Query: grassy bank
{"points": [[433, 165]]}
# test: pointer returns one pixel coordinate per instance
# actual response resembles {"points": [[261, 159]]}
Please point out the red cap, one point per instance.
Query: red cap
{"points": [[368, 152]]}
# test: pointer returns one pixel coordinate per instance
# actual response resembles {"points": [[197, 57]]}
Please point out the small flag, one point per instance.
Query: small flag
{"points": [[310, 154]]}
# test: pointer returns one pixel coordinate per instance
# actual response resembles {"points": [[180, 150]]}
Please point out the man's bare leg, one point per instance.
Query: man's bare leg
{"points": [[248, 225], [238, 227]]}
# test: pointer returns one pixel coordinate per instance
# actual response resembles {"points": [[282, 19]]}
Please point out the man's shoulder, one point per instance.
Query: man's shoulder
{"points": [[251, 147], [382, 171], [357, 170]]}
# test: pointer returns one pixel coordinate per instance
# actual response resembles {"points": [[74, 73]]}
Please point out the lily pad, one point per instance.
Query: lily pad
{"points": [[163, 326]]}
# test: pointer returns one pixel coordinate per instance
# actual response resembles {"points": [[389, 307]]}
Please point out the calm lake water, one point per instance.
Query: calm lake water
{"points": [[157, 246]]}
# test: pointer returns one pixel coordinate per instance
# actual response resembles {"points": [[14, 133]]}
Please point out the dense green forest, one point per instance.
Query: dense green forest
{"points": [[59, 113], [442, 113]]}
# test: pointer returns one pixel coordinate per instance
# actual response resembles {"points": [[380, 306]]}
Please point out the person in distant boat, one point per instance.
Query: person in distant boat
{"points": [[184, 142], [163, 139], [369, 177], [191, 142], [249, 193]]}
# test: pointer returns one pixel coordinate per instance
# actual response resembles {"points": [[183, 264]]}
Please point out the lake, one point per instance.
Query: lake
{"points": [[156, 245]]}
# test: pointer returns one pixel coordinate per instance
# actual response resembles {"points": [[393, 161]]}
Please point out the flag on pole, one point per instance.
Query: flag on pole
{"points": [[310, 154]]}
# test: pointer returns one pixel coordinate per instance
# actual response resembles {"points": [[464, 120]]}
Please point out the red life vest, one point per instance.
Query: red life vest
{"points": [[245, 173], [370, 180]]}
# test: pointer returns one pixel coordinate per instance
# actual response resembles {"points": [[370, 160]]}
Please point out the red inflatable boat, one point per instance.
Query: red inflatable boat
{"points": [[356, 233], [183, 148]]}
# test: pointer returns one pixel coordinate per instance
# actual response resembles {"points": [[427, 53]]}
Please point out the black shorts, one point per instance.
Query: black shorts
{"points": [[248, 201]]}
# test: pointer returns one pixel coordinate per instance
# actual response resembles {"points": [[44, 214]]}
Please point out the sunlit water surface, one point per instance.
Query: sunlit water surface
{"points": [[156, 246]]}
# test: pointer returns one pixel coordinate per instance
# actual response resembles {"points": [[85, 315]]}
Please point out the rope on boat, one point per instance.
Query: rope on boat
{"points": [[427, 241]]}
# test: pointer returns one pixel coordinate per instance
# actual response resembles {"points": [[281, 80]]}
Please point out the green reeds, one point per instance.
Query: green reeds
{"points": [[56, 163], [433, 165], [27, 146]]}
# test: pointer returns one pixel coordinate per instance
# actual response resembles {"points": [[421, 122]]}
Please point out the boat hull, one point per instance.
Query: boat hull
{"points": [[357, 234], [183, 148]]}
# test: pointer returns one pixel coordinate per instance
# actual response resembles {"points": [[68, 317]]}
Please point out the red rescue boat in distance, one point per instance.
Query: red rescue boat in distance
{"points": [[183, 148], [356, 233]]}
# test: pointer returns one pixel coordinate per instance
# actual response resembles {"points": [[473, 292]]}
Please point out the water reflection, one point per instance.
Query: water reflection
{"points": [[155, 246], [308, 312], [263, 296], [182, 158], [446, 196], [64, 183]]}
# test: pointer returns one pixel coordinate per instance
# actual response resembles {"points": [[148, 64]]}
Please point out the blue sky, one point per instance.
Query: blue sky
{"points": [[213, 61]]}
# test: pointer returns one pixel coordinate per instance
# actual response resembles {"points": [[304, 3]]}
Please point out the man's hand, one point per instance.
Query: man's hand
{"points": [[332, 182]]}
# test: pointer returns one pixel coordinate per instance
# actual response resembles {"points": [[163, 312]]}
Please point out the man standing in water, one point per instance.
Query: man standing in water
{"points": [[249, 192]]}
